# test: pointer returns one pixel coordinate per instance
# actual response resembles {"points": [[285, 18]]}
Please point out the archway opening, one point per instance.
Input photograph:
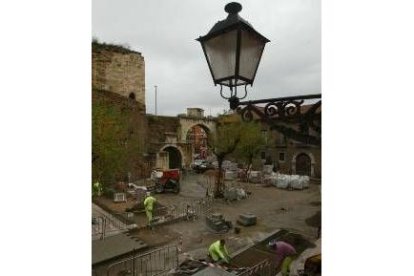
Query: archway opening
{"points": [[175, 158], [303, 164], [197, 135], [131, 96]]}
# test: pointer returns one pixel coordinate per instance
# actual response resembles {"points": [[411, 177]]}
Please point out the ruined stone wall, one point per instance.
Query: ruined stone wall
{"points": [[127, 140], [160, 135], [160, 126], [118, 70]]}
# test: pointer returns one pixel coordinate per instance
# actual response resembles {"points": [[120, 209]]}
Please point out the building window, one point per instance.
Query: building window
{"points": [[281, 156], [263, 155]]}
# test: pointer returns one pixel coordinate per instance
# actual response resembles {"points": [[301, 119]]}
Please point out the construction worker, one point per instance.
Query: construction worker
{"points": [[149, 206], [97, 189], [284, 254], [218, 252]]}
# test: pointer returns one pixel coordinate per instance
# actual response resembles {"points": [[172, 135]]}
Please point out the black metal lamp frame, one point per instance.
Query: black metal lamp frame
{"points": [[231, 23], [287, 115]]}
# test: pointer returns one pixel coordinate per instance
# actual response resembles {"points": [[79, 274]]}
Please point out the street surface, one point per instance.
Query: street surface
{"points": [[298, 211]]}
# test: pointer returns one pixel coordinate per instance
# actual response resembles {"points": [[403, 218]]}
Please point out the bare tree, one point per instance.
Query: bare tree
{"points": [[223, 143]]}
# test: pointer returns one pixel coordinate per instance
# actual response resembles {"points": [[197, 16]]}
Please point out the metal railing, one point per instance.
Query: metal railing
{"points": [[196, 208], [106, 225], [186, 210], [190, 210], [157, 262]]}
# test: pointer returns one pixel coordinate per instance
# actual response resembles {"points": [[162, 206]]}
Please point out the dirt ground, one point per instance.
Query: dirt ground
{"points": [[297, 210]]}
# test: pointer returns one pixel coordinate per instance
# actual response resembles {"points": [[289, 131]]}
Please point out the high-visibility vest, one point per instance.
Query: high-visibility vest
{"points": [[218, 252], [149, 203]]}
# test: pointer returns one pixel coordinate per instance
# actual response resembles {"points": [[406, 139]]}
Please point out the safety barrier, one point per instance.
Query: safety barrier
{"points": [[106, 225], [157, 262], [190, 210], [195, 208]]}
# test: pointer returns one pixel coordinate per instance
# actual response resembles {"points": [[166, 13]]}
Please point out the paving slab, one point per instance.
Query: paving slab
{"points": [[114, 246]]}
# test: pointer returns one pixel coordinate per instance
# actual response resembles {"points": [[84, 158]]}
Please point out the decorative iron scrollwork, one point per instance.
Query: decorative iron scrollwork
{"points": [[282, 109], [287, 115]]}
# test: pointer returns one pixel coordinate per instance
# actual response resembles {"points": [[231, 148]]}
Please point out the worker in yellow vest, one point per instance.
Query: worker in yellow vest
{"points": [[97, 189], [149, 206], [218, 251]]}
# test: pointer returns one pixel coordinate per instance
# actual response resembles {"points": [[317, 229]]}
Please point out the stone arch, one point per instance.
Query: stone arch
{"points": [[201, 142], [175, 156], [312, 161], [187, 123], [202, 125]]}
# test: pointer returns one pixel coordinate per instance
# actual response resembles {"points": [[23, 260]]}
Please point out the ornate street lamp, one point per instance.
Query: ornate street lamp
{"points": [[233, 49]]}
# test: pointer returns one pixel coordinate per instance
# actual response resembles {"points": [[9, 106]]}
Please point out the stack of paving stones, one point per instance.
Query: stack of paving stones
{"points": [[217, 223], [247, 219]]}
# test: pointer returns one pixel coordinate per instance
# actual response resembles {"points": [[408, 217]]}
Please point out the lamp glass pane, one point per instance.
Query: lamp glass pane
{"points": [[250, 53], [221, 54]]}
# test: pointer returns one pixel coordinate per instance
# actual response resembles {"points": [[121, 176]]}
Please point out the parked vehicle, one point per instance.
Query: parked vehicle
{"points": [[201, 165], [166, 180]]}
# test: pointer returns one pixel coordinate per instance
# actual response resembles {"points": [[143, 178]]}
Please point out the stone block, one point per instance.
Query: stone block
{"points": [[217, 223], [217, 216], [247, 219]]}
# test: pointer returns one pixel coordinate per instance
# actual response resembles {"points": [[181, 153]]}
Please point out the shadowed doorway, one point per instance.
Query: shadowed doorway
{"points": [[175, 158]]}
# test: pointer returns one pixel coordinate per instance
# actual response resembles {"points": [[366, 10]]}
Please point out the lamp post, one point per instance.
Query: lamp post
{"points": [[233, 50], [155, 99]]}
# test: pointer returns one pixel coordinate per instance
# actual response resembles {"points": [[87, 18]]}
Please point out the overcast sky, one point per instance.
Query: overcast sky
{"points": [[165, 32]]}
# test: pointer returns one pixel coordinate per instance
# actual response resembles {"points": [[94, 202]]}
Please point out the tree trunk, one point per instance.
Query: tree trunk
{"points": [[246, 172], [218, 191], [249, 166]]}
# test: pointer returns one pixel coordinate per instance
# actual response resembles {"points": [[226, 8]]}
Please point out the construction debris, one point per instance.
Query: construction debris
{"points": [[232, 194]]}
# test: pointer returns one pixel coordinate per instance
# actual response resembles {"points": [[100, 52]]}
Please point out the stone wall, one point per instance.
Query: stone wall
{"points": [[186, 123], [164, 131], [119, 70], [159, 127], [195, 112], [291, 151], [119, 138]]}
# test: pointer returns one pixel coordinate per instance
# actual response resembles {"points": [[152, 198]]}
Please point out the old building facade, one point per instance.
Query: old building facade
{"points": [[292, 157], [127, 142]]}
